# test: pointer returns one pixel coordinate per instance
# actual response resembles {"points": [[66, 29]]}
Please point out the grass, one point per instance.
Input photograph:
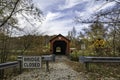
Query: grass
{"points": [[10, 72], [98, 71], [76, 65]]}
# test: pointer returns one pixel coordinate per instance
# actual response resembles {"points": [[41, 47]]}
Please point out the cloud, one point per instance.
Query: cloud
{"points": [[48, 5], [97, 6], [52, 26], [108, 5], [52, 16], [93, 7], [70, 4], [61, 21], [59, 14]]}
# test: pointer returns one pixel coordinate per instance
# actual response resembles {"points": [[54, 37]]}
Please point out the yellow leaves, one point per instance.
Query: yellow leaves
{"points": [[91, 46], [99, 43]]}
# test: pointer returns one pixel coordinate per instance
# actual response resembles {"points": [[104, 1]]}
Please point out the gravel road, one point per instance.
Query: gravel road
{"points": [[58, 71]]}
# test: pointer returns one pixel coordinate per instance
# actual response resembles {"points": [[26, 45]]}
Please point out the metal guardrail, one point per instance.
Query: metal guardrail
{"points": [[12, 64], [87, 60], [8, 64], [84, 59], [46, 58]]}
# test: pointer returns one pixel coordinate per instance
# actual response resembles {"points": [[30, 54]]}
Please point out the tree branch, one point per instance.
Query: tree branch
{"points": [[10, 14]]}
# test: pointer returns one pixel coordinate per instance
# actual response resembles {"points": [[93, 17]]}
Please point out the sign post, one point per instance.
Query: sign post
{"points": [[31, 61]]}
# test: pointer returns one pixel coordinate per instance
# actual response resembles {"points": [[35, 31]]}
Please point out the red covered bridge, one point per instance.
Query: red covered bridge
{"points": [[60, 45]]}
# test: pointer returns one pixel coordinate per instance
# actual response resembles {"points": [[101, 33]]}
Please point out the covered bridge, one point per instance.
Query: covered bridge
{"points": [[60, 45]]}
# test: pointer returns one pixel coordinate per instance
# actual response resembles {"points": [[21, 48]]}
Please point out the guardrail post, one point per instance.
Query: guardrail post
{"points": [[53, 56], [1, 74], [87, 65], [20, 64], [47, 66], [47, 59]]}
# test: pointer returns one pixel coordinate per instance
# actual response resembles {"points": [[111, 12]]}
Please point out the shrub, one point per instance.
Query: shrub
{"points": [[12, 58], [75, 55]]}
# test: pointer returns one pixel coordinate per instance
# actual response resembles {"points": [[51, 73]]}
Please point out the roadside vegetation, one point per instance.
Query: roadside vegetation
{"points": [[97, 71], [101, 45], [99, 39]]}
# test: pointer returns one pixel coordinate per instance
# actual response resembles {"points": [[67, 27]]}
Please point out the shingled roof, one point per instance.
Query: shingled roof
{"points": [[59, 36]]}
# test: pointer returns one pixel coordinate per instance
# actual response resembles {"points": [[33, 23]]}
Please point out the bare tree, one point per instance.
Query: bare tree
{"points": [[9, 9]]}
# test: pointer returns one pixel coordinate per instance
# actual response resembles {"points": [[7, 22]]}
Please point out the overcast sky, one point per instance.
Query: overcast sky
{"points": [[59, 14]]}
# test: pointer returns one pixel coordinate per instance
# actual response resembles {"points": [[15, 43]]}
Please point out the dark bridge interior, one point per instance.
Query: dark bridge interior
{"points": [[59, 47]]}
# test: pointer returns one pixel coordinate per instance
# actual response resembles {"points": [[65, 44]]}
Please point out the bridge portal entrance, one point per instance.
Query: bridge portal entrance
{"points": [[60, 45]]}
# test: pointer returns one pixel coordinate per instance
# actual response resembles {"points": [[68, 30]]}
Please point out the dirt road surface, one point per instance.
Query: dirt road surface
{"points": [[58, 70]]}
